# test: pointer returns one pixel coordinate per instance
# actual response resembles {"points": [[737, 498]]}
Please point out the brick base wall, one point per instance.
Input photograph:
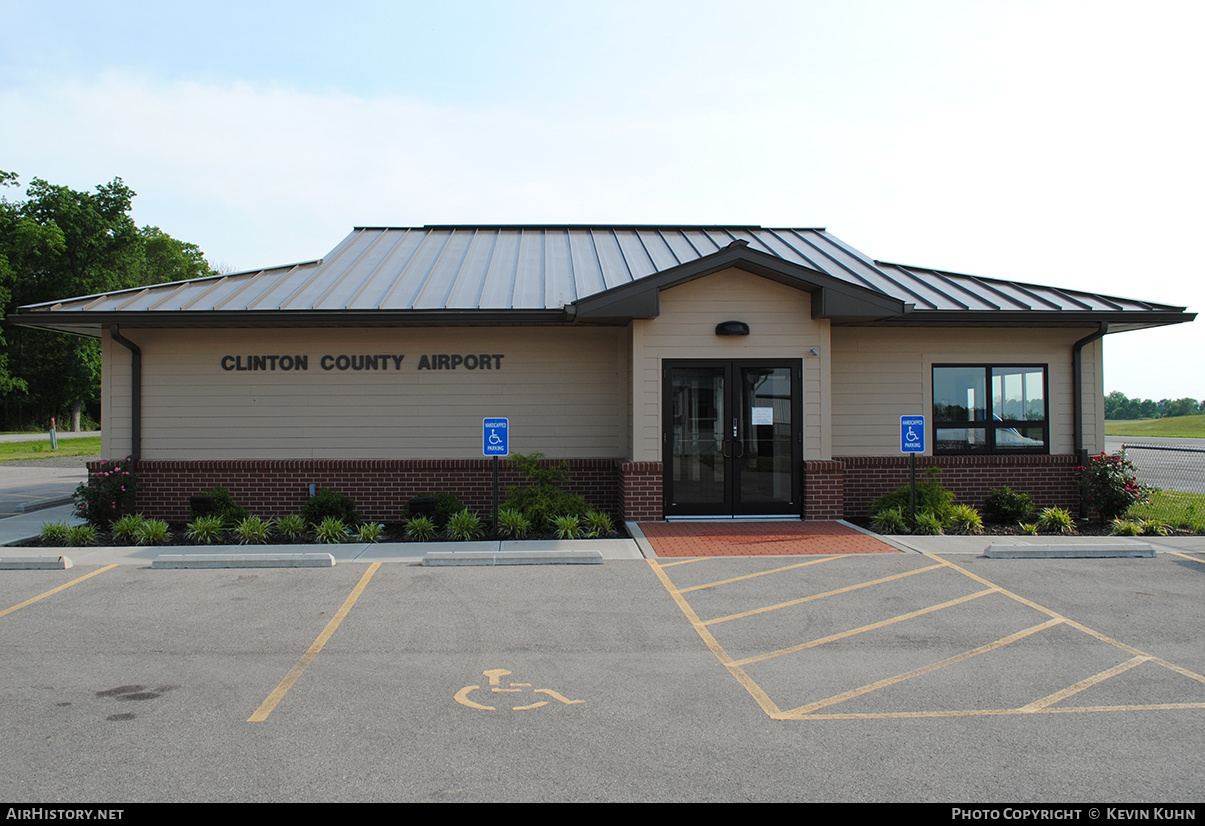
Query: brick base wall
{"points": [[1050, 480], [823, 490], [642, 493], [380, 487]]}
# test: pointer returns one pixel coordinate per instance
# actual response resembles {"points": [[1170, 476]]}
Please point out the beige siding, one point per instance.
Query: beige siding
{"points": [[884, 373], [781, 326], [558, 387]]}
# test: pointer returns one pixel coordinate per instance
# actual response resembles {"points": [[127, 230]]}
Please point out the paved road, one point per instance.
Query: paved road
{"points": [[1179, 467], [895, 677]]}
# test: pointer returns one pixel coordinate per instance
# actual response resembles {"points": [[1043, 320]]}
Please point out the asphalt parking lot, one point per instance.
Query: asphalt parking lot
{"points": [[893, 677]]}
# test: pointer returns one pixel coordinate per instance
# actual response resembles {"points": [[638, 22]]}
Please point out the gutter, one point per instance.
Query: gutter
{"points": [[135, 391], [1077, 378]]}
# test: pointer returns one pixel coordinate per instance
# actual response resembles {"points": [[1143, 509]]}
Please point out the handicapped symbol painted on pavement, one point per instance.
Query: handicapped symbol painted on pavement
{"points": [[495, 675]]}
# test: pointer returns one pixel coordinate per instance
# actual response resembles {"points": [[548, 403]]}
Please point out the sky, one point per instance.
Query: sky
{"points": [[1046, 142]]}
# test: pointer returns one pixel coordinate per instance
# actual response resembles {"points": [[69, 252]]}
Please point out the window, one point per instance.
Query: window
{"points": [[981, 408]]}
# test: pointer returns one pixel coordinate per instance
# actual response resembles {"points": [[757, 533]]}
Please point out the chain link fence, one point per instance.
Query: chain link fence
{"points": [[1179, 475]]}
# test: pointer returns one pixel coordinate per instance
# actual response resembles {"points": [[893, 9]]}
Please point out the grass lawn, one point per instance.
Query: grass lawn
{"points": [[1181, 427], [1181, 510], [15, 451]]}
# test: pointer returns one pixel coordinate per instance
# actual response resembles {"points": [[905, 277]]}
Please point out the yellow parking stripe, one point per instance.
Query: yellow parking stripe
{"points": [[759, 573], [993, 712], [1058, 696], [296, 671], [801, 711], [755, 691], [1186, 556], [874, 625], [76, 581], [844, 590], [686, 561]]}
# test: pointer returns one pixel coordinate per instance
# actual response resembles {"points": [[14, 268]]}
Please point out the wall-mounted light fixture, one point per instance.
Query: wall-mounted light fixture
{"points": [[732, 328]]}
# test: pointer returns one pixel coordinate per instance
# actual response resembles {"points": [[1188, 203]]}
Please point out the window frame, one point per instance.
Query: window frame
{"points": [[989, 424]]}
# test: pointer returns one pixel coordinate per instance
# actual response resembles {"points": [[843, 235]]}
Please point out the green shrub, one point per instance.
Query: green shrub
{"points": [[1005, 506], [225, 506], [1056, 520], [291, 526], [1110, 486], [420, 528], [964, 521], [446, 504], [542, 504], [543, 500], [331, 530], [205, 529], [931, 497], [107, 494], [328, 503], [153, 532], [253, 531], [890, 521], [55, 532], [464, 526], [127, 527]]}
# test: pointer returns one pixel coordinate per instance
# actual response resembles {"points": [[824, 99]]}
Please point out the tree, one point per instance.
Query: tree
{"points": [[58, 243]]}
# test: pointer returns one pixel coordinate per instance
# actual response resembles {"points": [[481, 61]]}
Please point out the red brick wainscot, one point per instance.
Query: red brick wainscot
{"points": [[1052, 481], [380, 487]]}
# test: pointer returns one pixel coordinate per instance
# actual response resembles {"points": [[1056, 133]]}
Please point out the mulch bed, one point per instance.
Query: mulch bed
{"points": [[395, 532]]}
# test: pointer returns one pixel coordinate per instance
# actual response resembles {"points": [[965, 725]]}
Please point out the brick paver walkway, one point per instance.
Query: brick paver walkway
{"points": [[758, 538]]}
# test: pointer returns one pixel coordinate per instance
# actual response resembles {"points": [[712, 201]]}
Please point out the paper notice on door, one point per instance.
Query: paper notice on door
{"points": [[762, 415]]}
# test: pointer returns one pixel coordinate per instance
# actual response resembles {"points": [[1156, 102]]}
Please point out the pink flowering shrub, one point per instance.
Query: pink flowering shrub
{"points": [[107, 494], [1109, 484]]}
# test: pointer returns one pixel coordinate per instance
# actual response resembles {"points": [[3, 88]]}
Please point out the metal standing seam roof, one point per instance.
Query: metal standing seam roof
{"points": [[546, 268]]}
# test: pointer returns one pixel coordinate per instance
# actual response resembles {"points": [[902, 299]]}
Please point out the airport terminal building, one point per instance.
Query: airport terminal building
{"points": [[681, 371]]}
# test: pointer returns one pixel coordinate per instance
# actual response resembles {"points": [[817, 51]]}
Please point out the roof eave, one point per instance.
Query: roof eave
{"points": [[1119, 321], [91, 323]]}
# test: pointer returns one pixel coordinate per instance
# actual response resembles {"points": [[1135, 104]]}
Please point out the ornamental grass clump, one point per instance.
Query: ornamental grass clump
{"points": [[512, 523], [291, 527], [54, 532], [81, 535], [370, 532], [253, 531], [205, 530], [599, 524], [1110, 486], [1056, 520], [153, 532], [964, 520], [332, 531], [464, 526], [890, 521], [421, 528], [127, 527], [567, 527]]}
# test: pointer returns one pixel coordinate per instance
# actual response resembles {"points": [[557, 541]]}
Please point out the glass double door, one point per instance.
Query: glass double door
{"points": [[733, 437]]}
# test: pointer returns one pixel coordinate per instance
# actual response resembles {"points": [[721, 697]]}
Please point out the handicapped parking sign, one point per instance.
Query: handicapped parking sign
{"points": [[494, 439], [912, 434]]}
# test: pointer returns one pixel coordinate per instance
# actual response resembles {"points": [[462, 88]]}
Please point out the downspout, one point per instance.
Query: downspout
{"points": [[135, 392], [1077, 378]]}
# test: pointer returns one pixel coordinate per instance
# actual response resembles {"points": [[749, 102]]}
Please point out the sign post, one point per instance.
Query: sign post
{"points": [[912, 442], [495, 442]]}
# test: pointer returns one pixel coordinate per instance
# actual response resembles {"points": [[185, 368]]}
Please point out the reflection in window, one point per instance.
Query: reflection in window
{"points": [[1012, 418]]}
